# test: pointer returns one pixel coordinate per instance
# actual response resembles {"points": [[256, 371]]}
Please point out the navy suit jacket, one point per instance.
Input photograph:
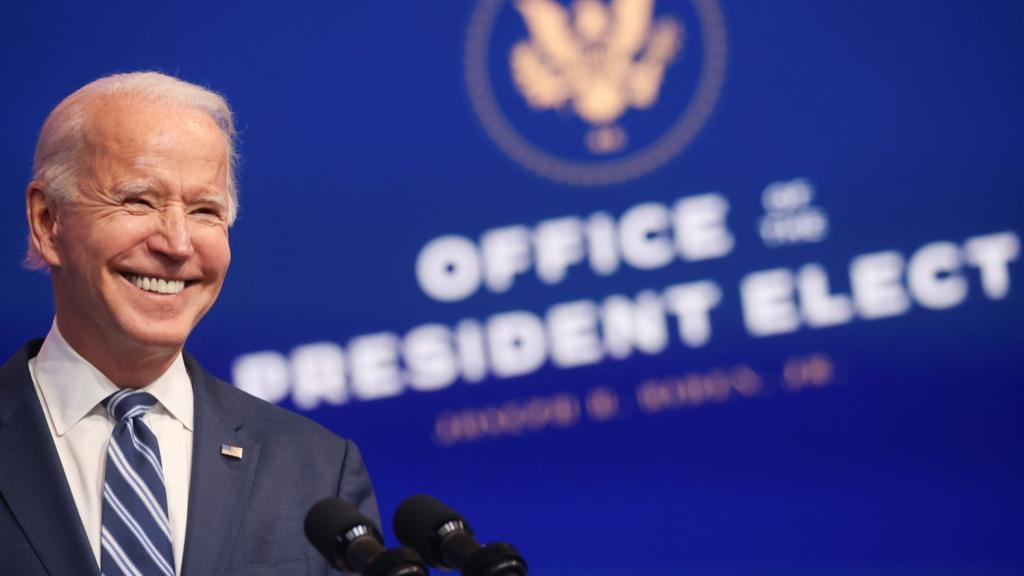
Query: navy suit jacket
{"points": [[244, 516]]}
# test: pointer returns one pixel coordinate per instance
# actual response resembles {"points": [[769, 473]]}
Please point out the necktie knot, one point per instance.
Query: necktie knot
{"points": [[125, 404]]}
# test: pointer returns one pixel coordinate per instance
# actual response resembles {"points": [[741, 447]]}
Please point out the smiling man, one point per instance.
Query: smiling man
{"points": [[120, 454]]}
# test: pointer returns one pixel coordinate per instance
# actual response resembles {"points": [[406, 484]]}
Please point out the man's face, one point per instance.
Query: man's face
{"points": [[142, 249]]}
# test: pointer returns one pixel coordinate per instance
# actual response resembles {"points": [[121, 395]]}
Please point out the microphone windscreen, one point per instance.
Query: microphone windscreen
{"points": [[418, 517], [329, 518]]}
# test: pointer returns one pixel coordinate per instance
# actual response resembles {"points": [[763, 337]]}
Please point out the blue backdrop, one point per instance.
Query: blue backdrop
{"points": [[810, 364]]}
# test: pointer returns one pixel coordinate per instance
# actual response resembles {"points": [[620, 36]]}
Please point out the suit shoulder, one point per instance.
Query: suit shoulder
{"points": [[266, 417], [16, 381]]}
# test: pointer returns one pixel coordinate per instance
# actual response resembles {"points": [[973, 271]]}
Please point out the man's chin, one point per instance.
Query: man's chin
{"points": [[157, 336]]}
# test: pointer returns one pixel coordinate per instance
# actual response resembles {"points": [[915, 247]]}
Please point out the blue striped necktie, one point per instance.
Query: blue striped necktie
{"points": [[135, 538]]}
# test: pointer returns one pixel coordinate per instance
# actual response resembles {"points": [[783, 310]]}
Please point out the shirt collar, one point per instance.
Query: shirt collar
{"points": [[72, 387]]}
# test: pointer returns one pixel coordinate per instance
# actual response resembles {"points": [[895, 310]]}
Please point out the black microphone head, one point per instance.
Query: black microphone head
{"points": [[417, 522], [331, 525]]}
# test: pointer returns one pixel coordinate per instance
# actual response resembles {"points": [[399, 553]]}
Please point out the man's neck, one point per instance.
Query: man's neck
{"points": [[126, 364]]}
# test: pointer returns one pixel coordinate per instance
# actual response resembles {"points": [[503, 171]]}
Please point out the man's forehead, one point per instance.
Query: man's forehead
{"points": [[136, 145], [127, 119]]}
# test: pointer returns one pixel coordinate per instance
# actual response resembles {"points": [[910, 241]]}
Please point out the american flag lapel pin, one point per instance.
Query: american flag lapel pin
{"points": [[231, 451]]}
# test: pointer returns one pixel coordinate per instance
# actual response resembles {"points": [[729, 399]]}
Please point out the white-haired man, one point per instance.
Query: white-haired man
{"points": [[120, 454]]}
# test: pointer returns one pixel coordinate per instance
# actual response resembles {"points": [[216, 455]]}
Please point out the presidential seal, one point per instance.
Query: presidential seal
{"points": [[594, 92]]}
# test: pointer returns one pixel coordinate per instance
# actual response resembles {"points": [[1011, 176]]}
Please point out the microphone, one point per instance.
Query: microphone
{"points": [[349, 541], [444, 540]]}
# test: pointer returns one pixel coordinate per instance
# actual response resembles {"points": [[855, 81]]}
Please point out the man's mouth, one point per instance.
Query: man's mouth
{"points": [[158, 285]]}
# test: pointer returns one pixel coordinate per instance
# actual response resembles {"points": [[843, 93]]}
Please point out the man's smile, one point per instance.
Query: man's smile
{"points": [[156, 284]]}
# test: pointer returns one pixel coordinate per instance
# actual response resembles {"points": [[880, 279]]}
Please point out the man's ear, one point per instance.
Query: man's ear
{"points": [[42, 223]]}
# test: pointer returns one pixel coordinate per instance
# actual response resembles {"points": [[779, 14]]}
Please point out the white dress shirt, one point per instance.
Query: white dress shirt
{"points": [[71, 392]]}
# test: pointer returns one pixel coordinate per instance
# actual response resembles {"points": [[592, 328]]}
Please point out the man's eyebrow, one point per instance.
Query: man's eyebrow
{"points": [[210, 198], [131, 188]]}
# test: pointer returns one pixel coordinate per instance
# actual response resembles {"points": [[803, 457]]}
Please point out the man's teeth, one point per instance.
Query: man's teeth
{"points": [[158, 285]]}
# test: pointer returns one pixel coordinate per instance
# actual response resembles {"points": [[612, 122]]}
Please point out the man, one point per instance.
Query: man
{"points": [[118, 453]]}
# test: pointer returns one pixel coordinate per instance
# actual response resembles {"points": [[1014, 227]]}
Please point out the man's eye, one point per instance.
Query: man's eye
{"points": [[207, 212], [138, 202]]}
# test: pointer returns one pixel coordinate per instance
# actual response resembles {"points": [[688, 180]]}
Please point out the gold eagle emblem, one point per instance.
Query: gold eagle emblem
{"points": [[600, 59]]}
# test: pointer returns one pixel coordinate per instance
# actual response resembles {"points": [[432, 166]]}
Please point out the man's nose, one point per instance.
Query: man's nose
{"points": [[173, 238]]}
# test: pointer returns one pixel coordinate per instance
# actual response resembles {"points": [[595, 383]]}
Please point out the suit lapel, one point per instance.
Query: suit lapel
{"points": [[32, 480], [220, 484]]}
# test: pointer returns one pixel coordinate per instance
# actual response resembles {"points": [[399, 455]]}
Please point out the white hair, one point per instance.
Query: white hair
{"points": [[59, 148]]}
